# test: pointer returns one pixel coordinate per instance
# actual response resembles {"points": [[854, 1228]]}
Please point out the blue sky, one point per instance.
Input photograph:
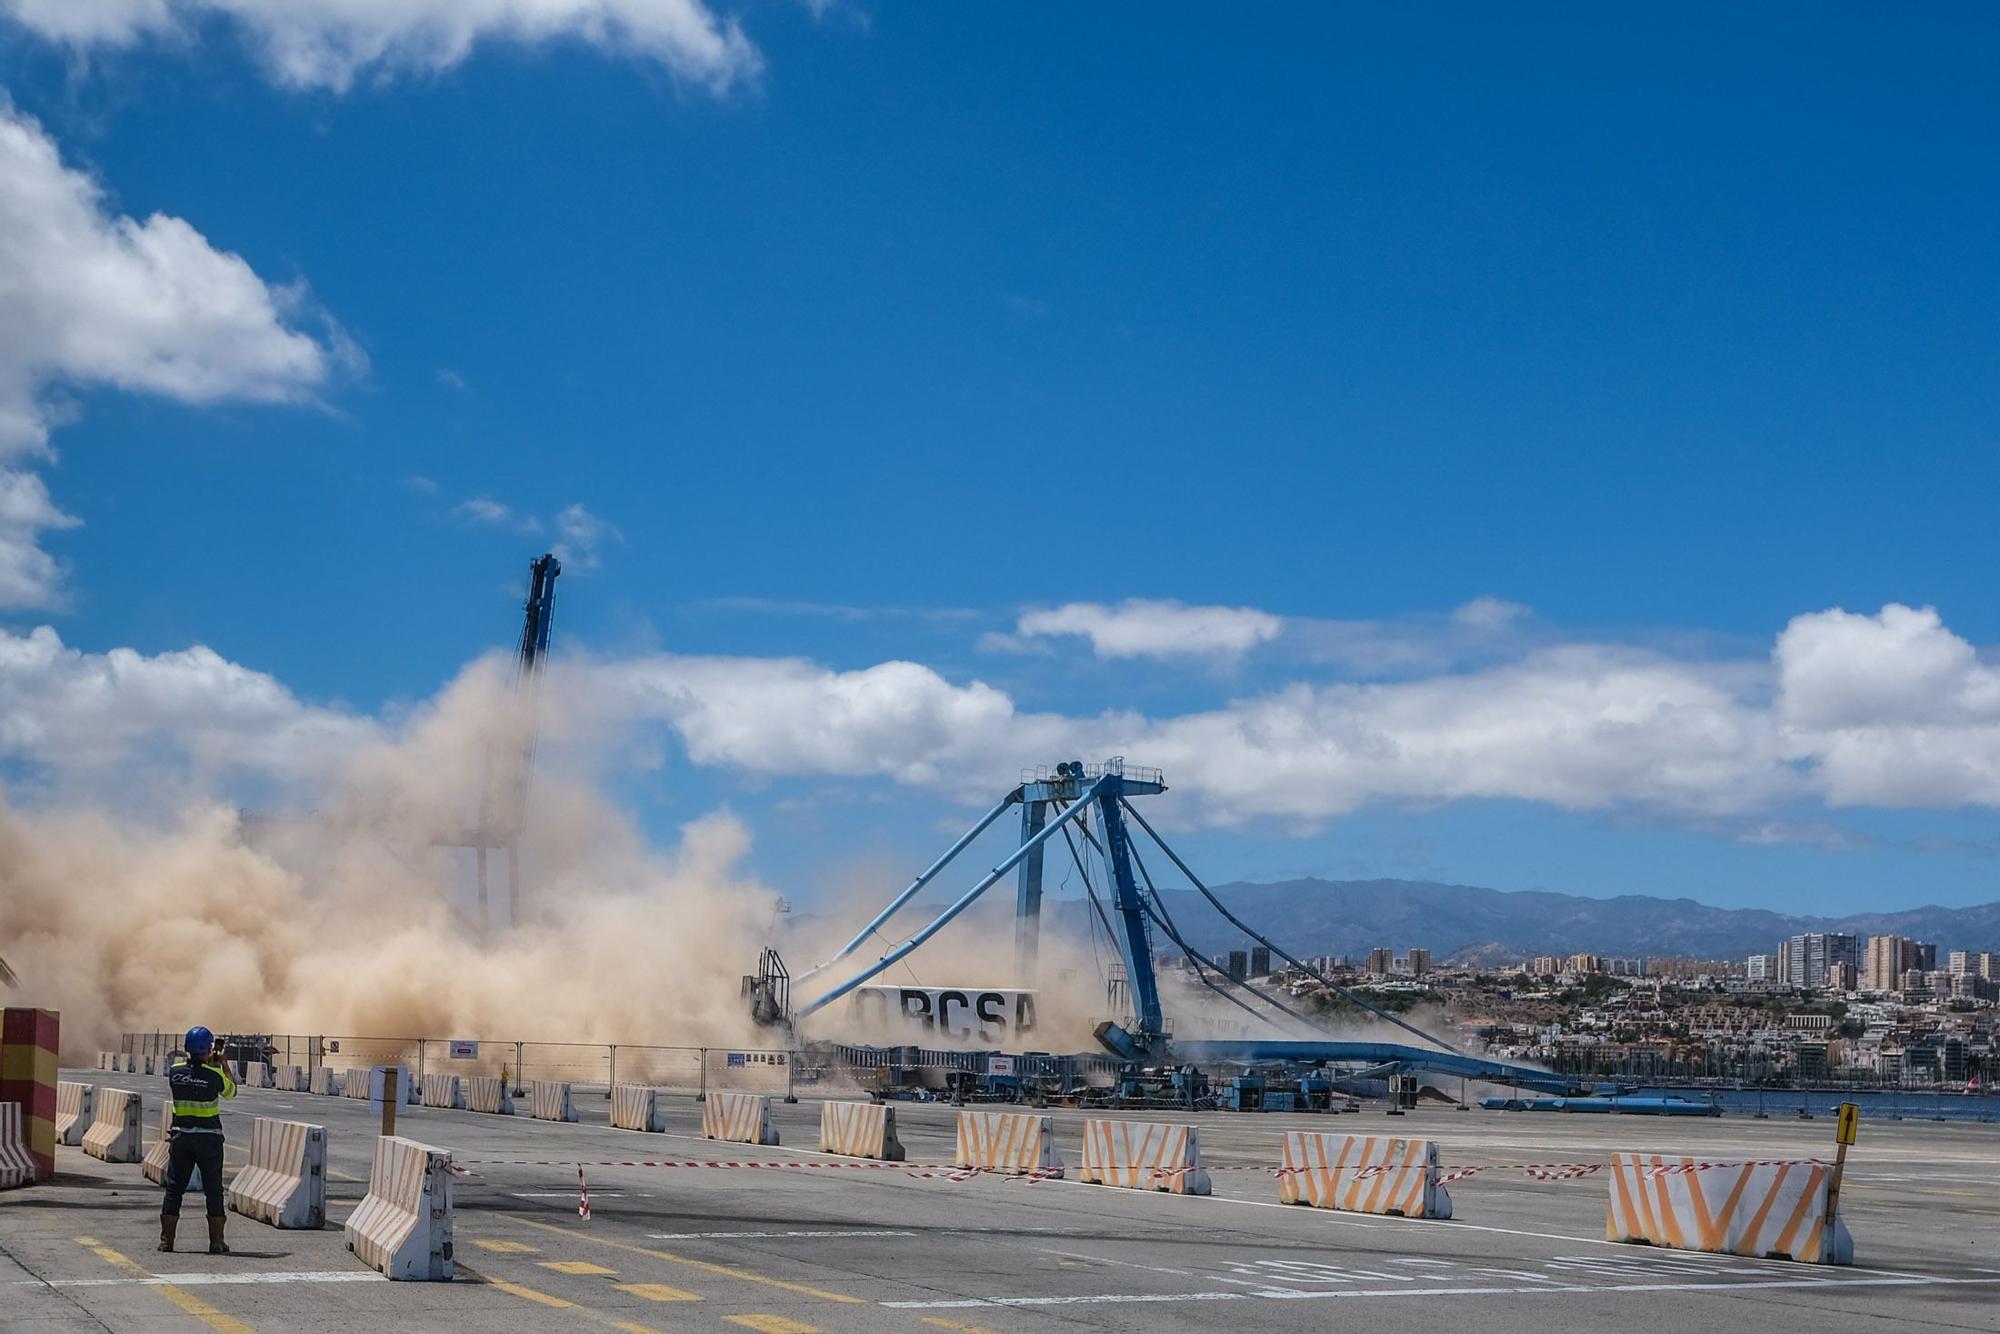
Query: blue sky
{"points": [[888, 325]]}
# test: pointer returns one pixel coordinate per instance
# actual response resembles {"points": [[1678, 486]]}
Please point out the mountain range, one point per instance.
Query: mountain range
{"points": [[1469, 924]]}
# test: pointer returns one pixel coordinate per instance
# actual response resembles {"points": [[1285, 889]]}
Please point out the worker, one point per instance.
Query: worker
{"points": [[197, 1083]]}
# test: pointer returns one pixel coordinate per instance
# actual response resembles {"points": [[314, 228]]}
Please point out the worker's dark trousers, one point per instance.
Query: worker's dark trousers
{"points": [[186, 1151]]}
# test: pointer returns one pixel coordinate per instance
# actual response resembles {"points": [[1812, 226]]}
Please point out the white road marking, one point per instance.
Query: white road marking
{"points": [[1288, 1295], [563, 1194], [829, 1232], [1098, 1259]]}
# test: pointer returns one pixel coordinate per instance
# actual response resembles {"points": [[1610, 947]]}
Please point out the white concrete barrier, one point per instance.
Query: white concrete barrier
{"points": [[257, 1074], [367, 1084], [17, 1165], [636, 1107], [1008, 1142], [284, 1183], [1769, 1210], [131, 1064], [740, 1118], [154, 1164], [325, 1081], [859, 1129], [403, 1225], [1367, 1174], [442, 1091], [551, 1101], [147, 1066], [104, 1060], [489, 1093], [114, 1128], [75, 1105], [1143, 1155], [288, 1079]]}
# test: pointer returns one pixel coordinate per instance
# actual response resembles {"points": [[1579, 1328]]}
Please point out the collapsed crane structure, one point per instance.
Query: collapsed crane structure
{"points": [[1070, 800], [503, 798]]}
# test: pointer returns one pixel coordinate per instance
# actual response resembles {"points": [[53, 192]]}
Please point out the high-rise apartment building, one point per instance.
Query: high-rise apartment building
{"points": [[1761, 968], [1381, 962], [1420, 961], [1260, 961], [1806, 957], [1889, 958]]}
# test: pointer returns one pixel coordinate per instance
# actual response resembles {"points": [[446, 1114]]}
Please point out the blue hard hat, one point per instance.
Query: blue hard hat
{"points": [[199, 1040]]}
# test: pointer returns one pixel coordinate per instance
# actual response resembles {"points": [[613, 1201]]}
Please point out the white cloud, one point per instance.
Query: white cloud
{"points": [[581, 535], [93, 298], [29, 576], [1740, 747], [1142, 627], [330, 43], [90, 299], [88, 714], [1488, 614], [486, 510]]}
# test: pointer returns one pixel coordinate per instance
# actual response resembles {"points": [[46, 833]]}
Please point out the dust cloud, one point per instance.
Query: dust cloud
{"points": [[346, 910]]}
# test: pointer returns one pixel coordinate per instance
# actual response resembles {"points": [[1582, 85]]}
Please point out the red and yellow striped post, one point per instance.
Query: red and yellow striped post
{"points": [[28, 1046]]}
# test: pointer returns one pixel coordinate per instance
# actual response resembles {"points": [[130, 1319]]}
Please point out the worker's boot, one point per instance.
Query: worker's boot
{"points": [[216, 1245], [168, 1222]]}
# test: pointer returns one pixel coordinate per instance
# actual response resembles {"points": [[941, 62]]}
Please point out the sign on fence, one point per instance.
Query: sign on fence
{"points": [[999, 1065], [464, 1051]]}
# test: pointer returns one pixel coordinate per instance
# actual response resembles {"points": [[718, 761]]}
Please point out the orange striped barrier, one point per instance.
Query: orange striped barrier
{"points": [[1365, 1174], [489, 1093], [402, 1227], [443, 1091], [114, 1133], [284, 1183], [862, 1129], [17, 1165], [75, 1104], [636, 1107], [740, 1118], [1008, 1142], [1143, 1155], [1769, 1210], [552, 1101], [154, 1165]]}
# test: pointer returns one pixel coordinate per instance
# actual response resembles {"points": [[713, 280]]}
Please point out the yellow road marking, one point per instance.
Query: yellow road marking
{"points": [[505, 1247], [550, 1299], [771, 1324], [181, 1297], [959, 1326], [656, 1292], [726, 1271], [575, 1267]]}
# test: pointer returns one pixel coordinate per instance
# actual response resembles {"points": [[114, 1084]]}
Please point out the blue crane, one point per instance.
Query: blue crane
{"points": [[1071, 795]]}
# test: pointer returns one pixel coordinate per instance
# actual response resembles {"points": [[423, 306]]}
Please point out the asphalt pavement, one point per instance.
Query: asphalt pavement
{"points": [[796, 1250]]}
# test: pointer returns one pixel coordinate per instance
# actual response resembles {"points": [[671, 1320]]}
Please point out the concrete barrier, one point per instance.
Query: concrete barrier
{"points": [[1008, 1142], [130, 1065], [256, 1074], [288, 1079], [75, 1105], [859, 1129], [740, 1118], [154, 1165], [551, 1102], [443, 1091], [489, 1093], [402, 1227], [325, 1082], [284, 1183], [114, 1130], [147, 1066], [362, 1084], [636, 1107], [17, 1165], [1143, 1155], [1769, 1210], [1365, 1174], [104, 1060]]}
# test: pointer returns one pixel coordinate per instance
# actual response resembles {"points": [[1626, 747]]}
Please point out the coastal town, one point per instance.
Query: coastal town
{"points": [[1821, 1009]]}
